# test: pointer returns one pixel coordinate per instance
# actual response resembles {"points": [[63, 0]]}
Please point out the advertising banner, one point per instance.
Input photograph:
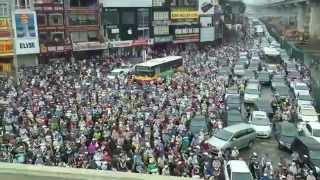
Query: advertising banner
{"points": [[184, 14], [85, 46], [127, 3], [206, 7], [207, 34], [26, 32], [119, 44]]}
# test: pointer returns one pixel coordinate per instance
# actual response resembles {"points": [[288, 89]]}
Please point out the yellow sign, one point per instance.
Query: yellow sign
{"points": [[184, 14], [6, 48], [4, 23]]}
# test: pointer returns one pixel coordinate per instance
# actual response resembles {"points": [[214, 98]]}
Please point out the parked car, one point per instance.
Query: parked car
{"points": [[252, 93], [285, 134], [254, 66], [307, 113], [118, 72], [309, 151], [278, 80], [311, 129], [264, 105], [233, 117], [244, 60], [260, 122], [237, 170], [249, 75], [239, 135]]}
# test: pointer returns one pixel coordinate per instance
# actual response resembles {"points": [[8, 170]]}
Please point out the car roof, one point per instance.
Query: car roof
{"points": [[237, 127], [239, 166]]}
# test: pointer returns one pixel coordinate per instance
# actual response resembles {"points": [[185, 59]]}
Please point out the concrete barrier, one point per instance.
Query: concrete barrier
{"points": [[10, 171]]}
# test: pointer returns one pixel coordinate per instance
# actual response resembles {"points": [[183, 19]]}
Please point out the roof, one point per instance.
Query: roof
{"points": [[259, 113], [239, 166], [158, 61], [237, 127]]}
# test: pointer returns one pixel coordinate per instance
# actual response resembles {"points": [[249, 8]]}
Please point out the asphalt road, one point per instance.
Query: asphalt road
{"points": [[266, 146]]}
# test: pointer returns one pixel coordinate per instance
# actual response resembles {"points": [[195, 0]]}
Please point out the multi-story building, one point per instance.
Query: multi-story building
{"points": [[82, 26], [161, 22], [127, 26], [185, 21], [54, 44], [6, 36], [26, 34]]}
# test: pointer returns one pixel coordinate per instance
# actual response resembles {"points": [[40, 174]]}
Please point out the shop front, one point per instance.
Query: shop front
{"points": [[88, 50]]}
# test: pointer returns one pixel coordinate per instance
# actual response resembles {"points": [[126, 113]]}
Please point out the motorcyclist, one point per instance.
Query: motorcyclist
{"points": [[268, 169], [254, 165], [311, 176], [235, 153]]}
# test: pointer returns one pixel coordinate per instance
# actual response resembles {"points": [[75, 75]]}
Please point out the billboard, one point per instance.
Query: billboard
{"points": [[26, 32], [127, 3], [206, 7], [183, 13], [207, 34]]}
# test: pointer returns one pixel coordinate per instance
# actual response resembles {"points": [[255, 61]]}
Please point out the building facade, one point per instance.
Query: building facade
{"points": [[54, 44], [161, 22], [127, 26], [82, 27], [6, 37]]}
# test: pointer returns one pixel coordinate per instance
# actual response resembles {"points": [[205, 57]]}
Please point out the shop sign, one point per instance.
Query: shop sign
{"points": [[26, 32], [85, 46], [184, 14], [185, 38], [142, 42], [4, 23], [178, 41], [120, 44], [162, 39], [6, 48]]}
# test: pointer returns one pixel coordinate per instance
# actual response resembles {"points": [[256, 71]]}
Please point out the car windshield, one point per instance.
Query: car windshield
{"points": [[223, 134], [260, 121], [304, 98], [302, 87], [241, 176], [316, 132], [233, 100], [289, 131], [315, 154], [252, 91], [239, 67]]}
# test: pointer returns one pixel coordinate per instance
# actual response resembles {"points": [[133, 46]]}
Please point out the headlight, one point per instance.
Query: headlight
{"points": [[317, 169], [281, 142]]}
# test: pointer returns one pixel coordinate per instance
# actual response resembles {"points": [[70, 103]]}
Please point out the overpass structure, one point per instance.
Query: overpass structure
{"points": [[306, 12]]}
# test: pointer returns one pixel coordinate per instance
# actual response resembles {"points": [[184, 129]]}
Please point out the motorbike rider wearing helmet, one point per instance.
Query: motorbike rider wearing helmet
{"points": [[235, 153]]}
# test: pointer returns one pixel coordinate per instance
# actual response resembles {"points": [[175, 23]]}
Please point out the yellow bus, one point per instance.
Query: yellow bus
{"points": [[155, 69]]}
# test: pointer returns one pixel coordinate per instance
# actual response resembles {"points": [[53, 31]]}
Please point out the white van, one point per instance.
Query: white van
{"points": [[236, 170], [117, 72]]}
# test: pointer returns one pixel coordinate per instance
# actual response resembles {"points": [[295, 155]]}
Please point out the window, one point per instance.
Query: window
{"points": [[84, 36], [22, 4], [42, 19], [82, 20], [4, 11], [161, 30], [128, 17], [57, 37], [160, 16], [143, 17], [55, 19], [113, 34], [43, 37], [111, 17], [83, 3]]}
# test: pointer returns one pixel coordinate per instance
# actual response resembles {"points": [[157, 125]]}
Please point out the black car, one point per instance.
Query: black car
{"points": [[285, 134], [309, 150], [282, 92], [278, 81], [233, 117], [264, 78], [233, 102]]}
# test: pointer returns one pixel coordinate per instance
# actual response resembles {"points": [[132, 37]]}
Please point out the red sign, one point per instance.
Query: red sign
{"points": [[142, 42]]}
